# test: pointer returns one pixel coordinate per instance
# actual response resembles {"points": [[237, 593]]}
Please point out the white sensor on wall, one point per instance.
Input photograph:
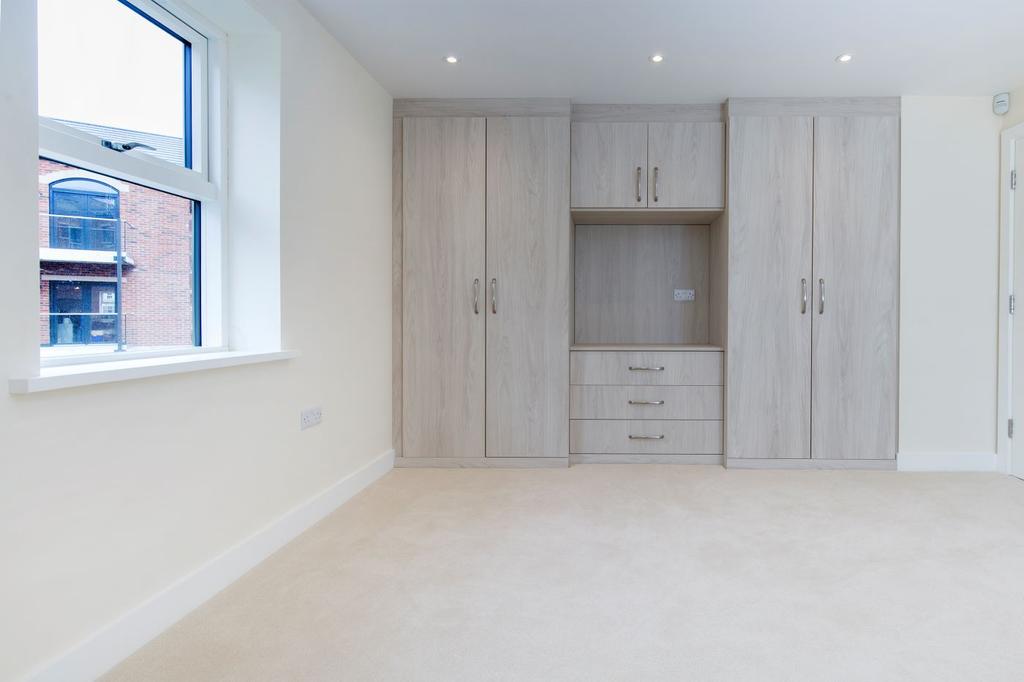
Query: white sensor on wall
{"points": [[310, 417], [1001, 103]]}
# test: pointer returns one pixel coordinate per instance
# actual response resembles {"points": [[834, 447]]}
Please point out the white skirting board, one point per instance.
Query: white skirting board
{"points": [[946, 461], [106, 648]]}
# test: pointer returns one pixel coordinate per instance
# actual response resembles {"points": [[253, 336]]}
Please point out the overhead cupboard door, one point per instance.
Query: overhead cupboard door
{"points": [[768, 358], [856, 279], [687, 161], [443, 161], [528, 287], [609, 165]]}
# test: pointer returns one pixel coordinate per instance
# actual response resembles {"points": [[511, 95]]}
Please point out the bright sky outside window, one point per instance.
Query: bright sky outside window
{"points": [[103, 64]]}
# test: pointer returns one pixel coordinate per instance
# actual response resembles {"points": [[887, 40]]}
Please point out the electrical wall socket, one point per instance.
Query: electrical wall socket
{"points": [[684, 295], [310, 417]]}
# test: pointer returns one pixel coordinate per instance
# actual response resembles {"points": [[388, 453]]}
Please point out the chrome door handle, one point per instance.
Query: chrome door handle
{"points": [[655, 185], [803, 296], [632, 437], [821, 296], [646, 402], [494, 296], [476, 296], [646, 369], [639, 170]]}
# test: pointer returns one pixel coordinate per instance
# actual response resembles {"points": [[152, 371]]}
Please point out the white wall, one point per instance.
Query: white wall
{"points": [[111, 493], [949, 258]]}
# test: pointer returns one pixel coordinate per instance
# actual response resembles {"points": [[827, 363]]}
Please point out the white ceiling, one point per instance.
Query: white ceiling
{"points": [[597, 50]]}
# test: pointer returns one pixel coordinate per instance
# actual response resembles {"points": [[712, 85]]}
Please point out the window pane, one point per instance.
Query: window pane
{"points": [[83, 216], [108, 71]]}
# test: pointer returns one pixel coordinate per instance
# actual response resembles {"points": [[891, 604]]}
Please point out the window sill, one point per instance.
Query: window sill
{"points": [[71, 376]]}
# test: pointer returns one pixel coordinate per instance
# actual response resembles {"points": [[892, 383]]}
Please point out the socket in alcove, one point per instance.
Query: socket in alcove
{"points": [[684, 295], [310, 417]]}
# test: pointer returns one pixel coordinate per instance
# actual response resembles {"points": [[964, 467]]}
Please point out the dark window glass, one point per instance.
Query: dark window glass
{"points": [[82, 312], [84, 214]]}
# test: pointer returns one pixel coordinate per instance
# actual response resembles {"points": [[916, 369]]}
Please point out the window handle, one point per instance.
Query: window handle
{"points": [[126, 146]]}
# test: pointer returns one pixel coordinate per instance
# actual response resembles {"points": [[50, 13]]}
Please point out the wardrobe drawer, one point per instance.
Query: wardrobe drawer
{"points": [[646, 368], [645, 402], [645, 436]]}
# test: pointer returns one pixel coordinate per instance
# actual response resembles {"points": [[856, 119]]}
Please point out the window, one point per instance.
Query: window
{"points": [[127, 189], [84, 214]]}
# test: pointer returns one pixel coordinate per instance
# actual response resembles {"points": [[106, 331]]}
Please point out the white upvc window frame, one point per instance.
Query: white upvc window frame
{"points": [[205, 182]]}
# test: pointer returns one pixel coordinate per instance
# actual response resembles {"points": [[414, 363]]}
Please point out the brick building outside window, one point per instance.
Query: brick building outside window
{"points": [[80, 214]]}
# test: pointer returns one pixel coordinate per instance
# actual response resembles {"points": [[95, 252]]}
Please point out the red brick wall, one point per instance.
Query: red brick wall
{"points": [[157, 291]]}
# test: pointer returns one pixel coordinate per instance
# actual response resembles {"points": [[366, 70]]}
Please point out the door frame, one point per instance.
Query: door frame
{"points": [[1004, 402]]}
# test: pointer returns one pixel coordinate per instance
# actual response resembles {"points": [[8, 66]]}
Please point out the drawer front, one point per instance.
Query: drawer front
{"points": [[637, 368], [645, 436], [645, 402]]}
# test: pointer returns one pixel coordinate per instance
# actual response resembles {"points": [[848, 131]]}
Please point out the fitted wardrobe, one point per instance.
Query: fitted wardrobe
{"points": [[713, 284]]}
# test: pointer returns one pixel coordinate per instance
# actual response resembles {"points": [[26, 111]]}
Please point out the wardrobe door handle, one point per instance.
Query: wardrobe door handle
{"points": [[646, 369], [476, 296], [803, 296], [494, 296], [660, 437], [646, 402], [655, 185], [821, 296], [639, 170]]}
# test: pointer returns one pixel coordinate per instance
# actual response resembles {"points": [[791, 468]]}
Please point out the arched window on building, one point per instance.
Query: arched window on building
{"points": [[84, 214]]}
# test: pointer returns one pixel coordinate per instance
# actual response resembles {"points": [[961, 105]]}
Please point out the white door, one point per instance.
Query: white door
{"points": [[1015, 207]]}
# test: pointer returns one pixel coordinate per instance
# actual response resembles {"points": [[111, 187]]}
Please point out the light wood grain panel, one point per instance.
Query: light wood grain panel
{"points": [[645, 216], [769, 339], [528, 255], [625, 277], [633, 347], [396, 286], [856, 253], [613, 436], [605, 159], [428, 107], [718, 281], [481, 462], [813, 106], [808, 464], [443, 251], [618, 458], [687, 165], [648, 112], [641, 402], [613, 368]]}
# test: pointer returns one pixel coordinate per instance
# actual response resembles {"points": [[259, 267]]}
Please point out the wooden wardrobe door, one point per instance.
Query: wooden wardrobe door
{"points": [[528, 229], [856, 256], [687, 165], [606, 161], [443, 165], [769, 342]]}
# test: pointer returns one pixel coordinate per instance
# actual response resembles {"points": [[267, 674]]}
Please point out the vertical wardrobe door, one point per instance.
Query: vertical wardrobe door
{"points": [[769, 341], [443, 165], [854, 373], [528, 229]]}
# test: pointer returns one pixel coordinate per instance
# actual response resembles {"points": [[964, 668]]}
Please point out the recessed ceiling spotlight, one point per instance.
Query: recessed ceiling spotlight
{"points": [[452, 59], [845, 58], [656, 58]]}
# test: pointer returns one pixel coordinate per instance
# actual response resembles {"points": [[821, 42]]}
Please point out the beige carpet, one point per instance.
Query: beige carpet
{"points": [[614, 572]]}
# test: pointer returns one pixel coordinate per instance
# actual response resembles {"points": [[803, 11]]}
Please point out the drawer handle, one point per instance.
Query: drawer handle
{"points": [[646, 402], [646, 369], [632, 437]]}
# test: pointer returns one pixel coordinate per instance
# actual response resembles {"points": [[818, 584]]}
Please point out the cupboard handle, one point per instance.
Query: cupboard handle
{"points": [[655, 185], [638, 172], [803, 296], [476, 296], [494, 296], [821, 296], [660, 437], [646, 402], [646, 369]]}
